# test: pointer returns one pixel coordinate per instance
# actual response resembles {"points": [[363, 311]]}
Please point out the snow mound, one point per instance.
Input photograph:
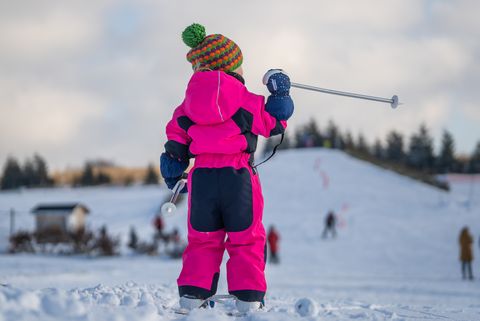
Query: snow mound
{"points": [[126, 302]]}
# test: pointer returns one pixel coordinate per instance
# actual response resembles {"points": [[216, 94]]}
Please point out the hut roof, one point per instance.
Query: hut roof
{"points": [[58, 208]]}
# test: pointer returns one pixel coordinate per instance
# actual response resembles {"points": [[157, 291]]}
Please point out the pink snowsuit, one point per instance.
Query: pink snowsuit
{"points": [[218, 123]]}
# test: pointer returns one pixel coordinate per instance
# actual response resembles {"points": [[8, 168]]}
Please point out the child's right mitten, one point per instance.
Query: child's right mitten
{"points": [[279, 103]]}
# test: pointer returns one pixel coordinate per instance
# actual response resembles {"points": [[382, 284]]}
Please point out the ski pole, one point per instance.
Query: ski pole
{"points": [[392, 101], [169, 208]]}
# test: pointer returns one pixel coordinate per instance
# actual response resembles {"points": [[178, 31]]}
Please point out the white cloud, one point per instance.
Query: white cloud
{"points": [[457, 17], [46, 116], [59, 33], [31, 31]]}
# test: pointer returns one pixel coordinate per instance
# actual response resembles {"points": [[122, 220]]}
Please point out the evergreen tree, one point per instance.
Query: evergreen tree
{"points": [[309, 135], [41, 177], [102, 179], [420, 154], [300, 136], [29, 173], [349, 143], [378, 150], [474, 164], [446, 160], [314, 132], [362, 145], [334, 135], [151, 178], [87, 178], [12, 176], [395, 150]]}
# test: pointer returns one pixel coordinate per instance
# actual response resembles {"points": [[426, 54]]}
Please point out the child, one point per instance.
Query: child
{"points": [[218, 123]]}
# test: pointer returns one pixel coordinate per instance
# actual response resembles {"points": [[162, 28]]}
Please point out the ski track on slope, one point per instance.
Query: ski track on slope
{"points": [[396, 257]]}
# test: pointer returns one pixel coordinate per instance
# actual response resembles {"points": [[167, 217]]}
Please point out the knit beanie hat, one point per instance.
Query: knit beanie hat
{"points": [[215, 52]]}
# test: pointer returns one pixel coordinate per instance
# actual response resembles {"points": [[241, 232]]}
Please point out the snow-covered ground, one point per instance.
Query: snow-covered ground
{"points": [[395, 258]]}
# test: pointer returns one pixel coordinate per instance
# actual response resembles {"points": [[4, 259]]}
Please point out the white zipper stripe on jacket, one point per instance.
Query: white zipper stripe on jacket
{"points": [[218, 94]]}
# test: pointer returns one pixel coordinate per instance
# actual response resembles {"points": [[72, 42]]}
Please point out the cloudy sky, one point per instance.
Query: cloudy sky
{"points": [[100, 79]]}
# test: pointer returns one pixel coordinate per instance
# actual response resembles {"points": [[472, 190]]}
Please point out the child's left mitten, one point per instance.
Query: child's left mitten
{"points": [[172, 170]]}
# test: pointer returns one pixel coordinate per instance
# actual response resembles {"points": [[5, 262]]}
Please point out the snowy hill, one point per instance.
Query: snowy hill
{"points": [[395, 258]]}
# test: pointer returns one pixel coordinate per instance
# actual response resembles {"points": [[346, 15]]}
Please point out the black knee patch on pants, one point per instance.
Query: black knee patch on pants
{"points": [[198, 292], [221, 198]]}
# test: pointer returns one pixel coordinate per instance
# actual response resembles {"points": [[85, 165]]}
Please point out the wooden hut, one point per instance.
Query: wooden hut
{"points": [[55, 221]]}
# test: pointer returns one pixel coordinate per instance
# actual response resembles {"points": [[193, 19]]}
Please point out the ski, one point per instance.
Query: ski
{"points": [[223, 299]]}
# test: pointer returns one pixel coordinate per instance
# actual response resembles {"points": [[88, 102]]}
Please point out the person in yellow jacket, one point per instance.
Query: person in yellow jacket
{"points": [[466, 253]]}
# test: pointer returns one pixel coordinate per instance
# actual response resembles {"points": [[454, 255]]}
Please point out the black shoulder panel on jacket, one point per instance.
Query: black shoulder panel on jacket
{"points": [[278, 129], [251, 142], [177, 150], [244, 120], [185, 123]]}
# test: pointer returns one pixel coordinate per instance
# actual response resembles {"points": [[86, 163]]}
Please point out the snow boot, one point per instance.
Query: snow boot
{"points": [[245, 307], [188, 302]]}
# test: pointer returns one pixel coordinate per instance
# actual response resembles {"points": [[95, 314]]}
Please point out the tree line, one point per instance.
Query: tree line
{"points": [[418, 154], [34, 173]]}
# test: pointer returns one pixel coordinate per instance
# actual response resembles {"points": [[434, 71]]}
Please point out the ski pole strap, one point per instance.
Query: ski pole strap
{"points": [[273, 153]]}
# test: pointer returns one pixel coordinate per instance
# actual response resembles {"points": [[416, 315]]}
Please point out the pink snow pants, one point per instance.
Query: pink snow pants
{"points": [[225, 212]]}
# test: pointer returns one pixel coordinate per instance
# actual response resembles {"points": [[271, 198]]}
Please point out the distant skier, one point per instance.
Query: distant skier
{"points": [[133, 241], [466, 253], [330, 224], [273, 237], [219, 122]]}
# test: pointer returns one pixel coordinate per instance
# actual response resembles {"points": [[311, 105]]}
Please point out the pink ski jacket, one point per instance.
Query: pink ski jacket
{"points": [[218, 116]]}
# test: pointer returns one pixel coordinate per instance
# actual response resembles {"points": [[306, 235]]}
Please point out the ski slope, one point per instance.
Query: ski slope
{"points": [[395, 257]]}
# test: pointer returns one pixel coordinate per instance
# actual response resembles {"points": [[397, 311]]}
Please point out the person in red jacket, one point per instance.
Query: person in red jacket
{"points": [[273, 238], [159, 226]]}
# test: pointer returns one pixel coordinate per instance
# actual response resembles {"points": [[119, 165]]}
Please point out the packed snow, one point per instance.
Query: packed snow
{"points": [[395, 256]]}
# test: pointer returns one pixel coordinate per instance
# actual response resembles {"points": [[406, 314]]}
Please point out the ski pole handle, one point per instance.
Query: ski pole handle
{"points": [[177, 189], [169, 208]]}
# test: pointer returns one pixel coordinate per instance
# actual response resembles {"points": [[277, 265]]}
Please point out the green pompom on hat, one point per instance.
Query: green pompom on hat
{"points": [[193, 35], [214, 52]]}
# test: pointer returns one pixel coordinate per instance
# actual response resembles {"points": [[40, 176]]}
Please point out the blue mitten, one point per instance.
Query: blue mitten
{"points": [[172, 170], [279, 103], [278, 82]]}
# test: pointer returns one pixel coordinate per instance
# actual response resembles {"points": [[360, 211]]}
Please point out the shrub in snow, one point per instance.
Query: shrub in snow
{"points": [[21, 242], [105, 244]]}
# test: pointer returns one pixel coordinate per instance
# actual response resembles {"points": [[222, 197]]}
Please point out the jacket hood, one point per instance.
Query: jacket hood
{"points": [[212, 97]]}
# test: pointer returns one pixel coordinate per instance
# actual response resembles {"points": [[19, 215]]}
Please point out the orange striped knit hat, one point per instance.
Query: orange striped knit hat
{"points": [[215, 52]]}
